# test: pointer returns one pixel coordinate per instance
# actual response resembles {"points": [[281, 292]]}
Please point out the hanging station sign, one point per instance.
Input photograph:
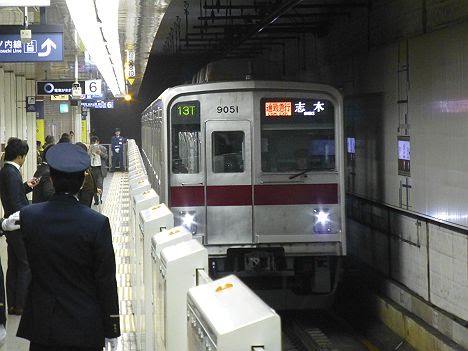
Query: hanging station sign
{"points": [[56, 88], [98, 104], [43, 47], [91, 88]]}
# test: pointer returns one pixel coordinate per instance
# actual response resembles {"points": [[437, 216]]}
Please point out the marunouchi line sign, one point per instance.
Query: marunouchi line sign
{"points": [[43, 47]]}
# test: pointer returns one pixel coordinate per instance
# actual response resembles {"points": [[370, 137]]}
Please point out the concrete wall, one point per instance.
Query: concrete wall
{"points": [[403, 50], [418, 255]]}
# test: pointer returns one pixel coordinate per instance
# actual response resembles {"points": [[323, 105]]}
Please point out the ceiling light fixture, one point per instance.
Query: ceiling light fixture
{"points": [[90, 33]]}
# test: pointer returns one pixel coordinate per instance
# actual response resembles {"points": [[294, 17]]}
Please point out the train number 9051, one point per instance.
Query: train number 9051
{"points": [[227, 109]]}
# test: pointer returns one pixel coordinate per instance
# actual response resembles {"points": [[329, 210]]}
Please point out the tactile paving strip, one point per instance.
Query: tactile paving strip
{"points": [[116, 207]]}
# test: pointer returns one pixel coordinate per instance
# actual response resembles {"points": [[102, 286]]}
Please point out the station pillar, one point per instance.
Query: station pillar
{"points": [[31, 131], [20, 108], [76, 117], [10, 105], [2, 108]]}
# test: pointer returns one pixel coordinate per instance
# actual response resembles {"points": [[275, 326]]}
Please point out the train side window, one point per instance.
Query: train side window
{"points": [[185, 149], [228, 152]]}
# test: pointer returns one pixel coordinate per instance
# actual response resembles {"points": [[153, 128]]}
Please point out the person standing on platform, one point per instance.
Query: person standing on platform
{"points": [[44, 189], [117, 145], [38, 152], [13, 196], [65, 138], [49, 140], [72, 136], [89, 188], [72, 304], [104, 159], [97, 166]]}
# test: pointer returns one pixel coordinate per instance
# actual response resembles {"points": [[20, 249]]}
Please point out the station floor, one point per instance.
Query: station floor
{"points": [[115, 206]]}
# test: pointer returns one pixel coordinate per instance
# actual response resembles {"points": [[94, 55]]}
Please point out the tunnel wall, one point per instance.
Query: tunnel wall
{"points": [[402, 68]]}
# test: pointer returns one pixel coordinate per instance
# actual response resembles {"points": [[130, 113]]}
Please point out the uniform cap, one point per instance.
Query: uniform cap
{"points": [[117, 129], [68, 158]]}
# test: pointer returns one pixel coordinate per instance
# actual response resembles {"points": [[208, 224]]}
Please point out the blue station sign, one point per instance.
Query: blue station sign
{"points": [[43, 47], [98, 104]]}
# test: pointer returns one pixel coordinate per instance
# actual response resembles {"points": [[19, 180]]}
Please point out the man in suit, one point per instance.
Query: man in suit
{"points": [[117, 145], [13, 196], [72, 302]]}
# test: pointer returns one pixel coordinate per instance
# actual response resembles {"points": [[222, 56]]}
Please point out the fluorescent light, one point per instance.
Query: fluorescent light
{"points": [[84, 17], [24, 3]]}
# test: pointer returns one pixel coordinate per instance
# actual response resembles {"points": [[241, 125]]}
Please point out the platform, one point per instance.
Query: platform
{"points": [[115, 206]]}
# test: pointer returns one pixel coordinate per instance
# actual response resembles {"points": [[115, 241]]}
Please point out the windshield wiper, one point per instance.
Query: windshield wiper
{"points": [[301, 173]]}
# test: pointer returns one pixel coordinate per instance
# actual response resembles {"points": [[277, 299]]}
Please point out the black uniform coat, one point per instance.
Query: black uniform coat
{"points": [[45, 189], [12, 190], [72, 299]]}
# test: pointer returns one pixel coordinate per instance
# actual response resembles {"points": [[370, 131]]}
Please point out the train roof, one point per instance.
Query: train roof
{"points": [[169, 93]]}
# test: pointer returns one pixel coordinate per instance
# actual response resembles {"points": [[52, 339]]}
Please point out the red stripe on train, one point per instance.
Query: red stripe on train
{"points": [[296, 194], [187, 196], [230, 195], [241, 195]]}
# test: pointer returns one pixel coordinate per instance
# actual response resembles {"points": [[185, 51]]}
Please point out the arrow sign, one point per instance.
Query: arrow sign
{"points": [[43, 47], [48, 45], [130, 80]]}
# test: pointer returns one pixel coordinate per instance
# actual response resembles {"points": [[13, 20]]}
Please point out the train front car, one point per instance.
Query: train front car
{"points": [[255, 171]]}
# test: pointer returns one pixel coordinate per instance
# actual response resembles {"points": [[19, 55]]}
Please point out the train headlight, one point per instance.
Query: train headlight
{"points": [[187, 220], [323, 223], [322, 217]]}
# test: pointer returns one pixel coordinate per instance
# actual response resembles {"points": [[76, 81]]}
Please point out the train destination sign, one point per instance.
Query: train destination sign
{"points": [[44, 47], [187, 112], [296, 110]]}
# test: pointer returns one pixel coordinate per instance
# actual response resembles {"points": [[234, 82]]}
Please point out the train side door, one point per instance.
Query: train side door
{"points": [[228, 203]]}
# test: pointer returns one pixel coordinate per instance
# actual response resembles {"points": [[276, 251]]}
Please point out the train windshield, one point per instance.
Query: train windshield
{"points": [[185, 126], [297, 135], [185, 149]]}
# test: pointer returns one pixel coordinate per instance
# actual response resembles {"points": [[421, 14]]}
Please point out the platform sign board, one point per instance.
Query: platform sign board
{"points": [[56, 88], [59, 97], [93, 87], [98, 104], [44, 47], [30, 104]]}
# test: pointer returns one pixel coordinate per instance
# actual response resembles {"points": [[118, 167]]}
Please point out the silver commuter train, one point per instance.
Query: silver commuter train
{"points": [[255, 170]]}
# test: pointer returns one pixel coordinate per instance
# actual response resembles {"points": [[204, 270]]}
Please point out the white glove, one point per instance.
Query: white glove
{"points": [[111, 344], [9, 223]]}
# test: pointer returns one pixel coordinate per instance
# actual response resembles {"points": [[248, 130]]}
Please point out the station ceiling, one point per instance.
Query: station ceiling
{"points": [[138, 23], [193, 33], [186, 34]]}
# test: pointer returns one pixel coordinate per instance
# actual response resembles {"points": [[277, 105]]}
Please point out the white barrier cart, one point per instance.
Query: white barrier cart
{"points": [[152, 220], [225, 315], [177, 274], [140, 186], [139, 202]]}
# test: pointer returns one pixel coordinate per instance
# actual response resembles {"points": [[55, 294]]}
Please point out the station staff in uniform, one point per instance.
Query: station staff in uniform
{"points": [[72, 303], [117, 144]]}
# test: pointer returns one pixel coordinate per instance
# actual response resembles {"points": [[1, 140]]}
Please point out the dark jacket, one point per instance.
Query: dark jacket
{"points": [[44, 190], [12, 190], [72, 299], [104, 158]]}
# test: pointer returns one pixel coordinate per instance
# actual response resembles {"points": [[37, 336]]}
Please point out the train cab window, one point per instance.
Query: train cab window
{"points": [[185, 149], [228, 152], [297, 135]]}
